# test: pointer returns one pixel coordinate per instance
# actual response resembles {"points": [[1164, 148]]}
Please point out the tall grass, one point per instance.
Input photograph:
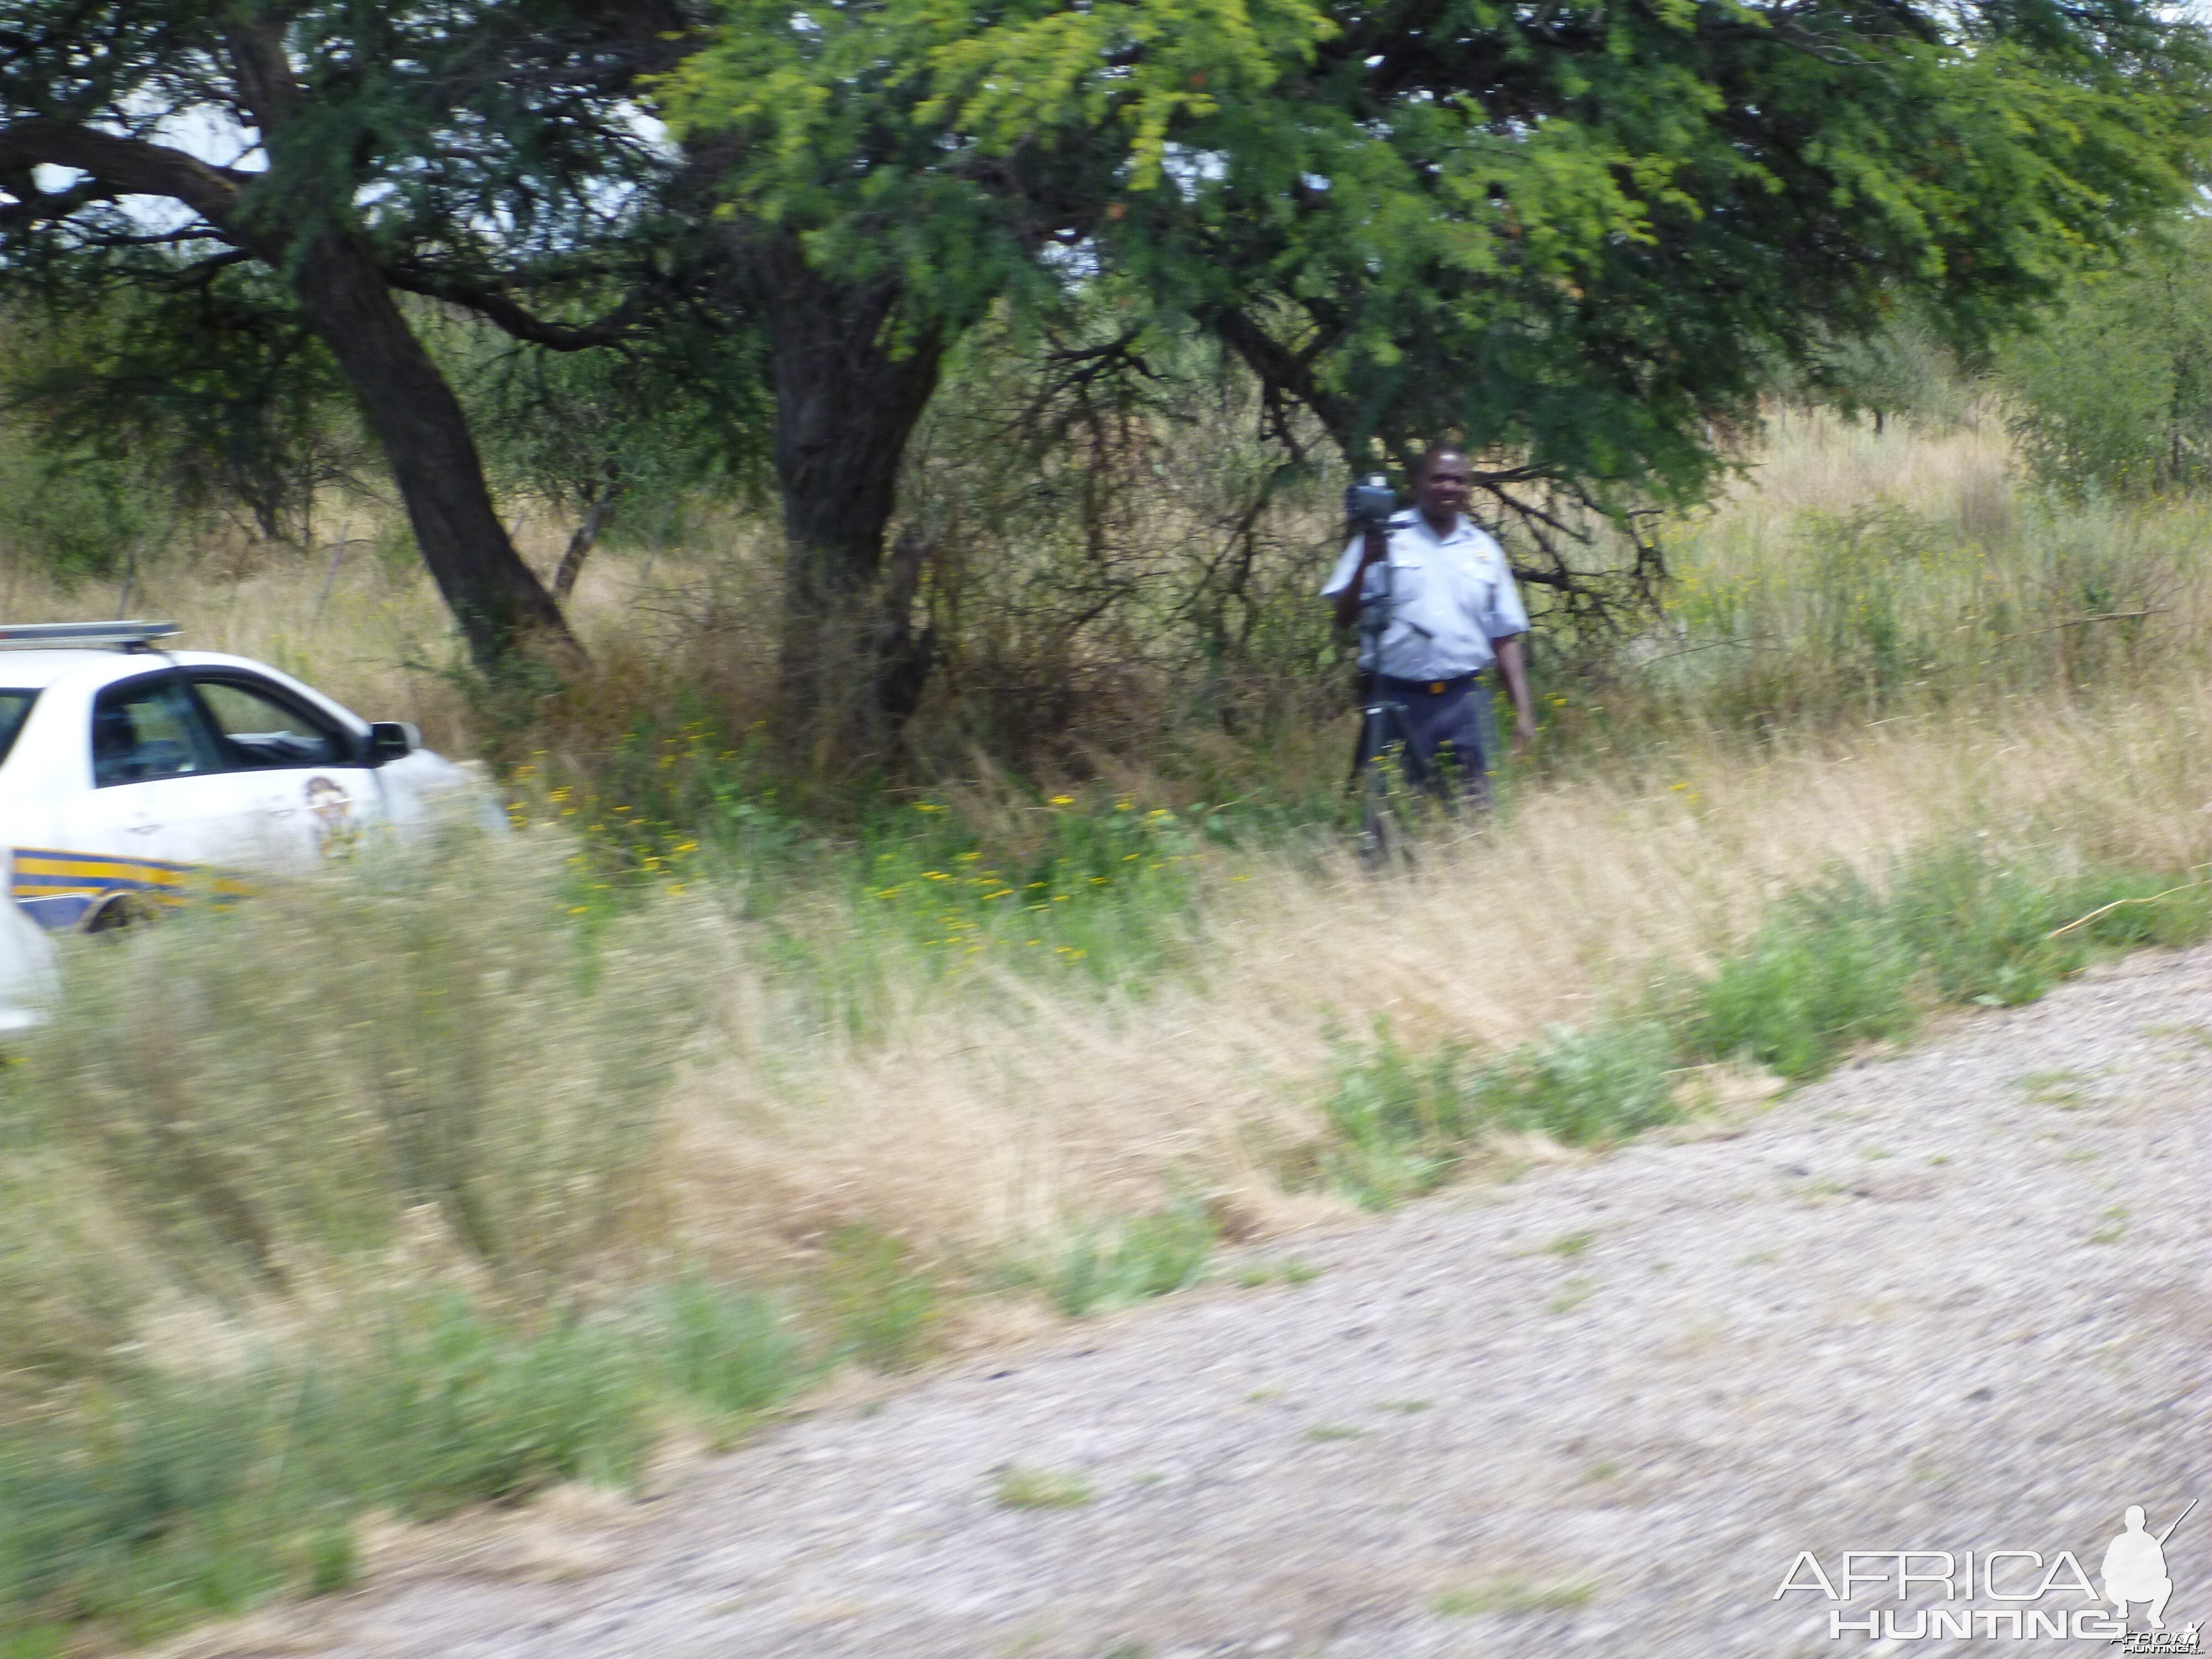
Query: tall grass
{"points": [[677, 1094], [1878, 576], [268, 1088], [350, 1196]]}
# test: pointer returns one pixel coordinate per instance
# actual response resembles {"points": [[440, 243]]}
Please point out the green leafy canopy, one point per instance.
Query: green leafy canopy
{"points": [[1572, 233]]}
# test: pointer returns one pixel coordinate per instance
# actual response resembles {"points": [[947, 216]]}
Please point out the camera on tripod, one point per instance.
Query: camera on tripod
{"points": [[1369, 502]]}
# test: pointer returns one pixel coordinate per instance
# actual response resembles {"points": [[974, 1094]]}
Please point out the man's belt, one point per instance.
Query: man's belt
{"points": [[1400, 688]]}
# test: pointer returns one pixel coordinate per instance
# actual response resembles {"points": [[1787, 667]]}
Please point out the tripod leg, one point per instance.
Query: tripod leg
{"points": [[1383, 798], [1379, 832]]}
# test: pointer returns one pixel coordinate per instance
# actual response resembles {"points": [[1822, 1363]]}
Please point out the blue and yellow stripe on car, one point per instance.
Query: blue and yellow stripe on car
{"points": [[59, 890]]}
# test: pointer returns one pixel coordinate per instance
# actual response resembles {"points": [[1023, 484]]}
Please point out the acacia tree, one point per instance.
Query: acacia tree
{"points": [[479, 153], [2141, 422], [1573, 232]]}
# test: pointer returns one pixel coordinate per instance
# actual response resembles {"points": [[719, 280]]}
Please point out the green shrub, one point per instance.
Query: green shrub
{"points": [[1994, 932], [1829, 970], [1401, 1123], [467, 1411], [1584, 1088], [1837, 964], [1843, 964], [161, 1500], [728, 1351], [2125, 912], [1099, 889], [1398, 1122], [884, 1305], [1984, 928], [2141, 419], [1129, 1261], [73, 513]]}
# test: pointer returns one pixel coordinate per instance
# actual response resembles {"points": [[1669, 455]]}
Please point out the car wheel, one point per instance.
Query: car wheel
{"points": [[125, 911]]}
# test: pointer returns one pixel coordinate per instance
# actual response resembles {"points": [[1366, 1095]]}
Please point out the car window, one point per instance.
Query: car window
{"points": [[15, 709], [148, 728], [261, 728]]}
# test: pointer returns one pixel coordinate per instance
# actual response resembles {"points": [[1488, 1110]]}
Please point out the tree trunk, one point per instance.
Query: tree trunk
{"points": [[582, 544], [850, 384], [500, 606]]}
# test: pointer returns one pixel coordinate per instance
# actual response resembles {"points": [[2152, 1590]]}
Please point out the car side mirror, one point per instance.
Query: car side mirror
{"points": [[392, 740]]}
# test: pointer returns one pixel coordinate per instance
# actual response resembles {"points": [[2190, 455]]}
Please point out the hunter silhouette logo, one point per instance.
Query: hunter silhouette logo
{"points": [[2135, 1566], [2027, 1588]]}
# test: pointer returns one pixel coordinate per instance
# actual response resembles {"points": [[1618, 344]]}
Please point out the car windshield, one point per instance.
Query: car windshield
{"points": [[15, 709]]}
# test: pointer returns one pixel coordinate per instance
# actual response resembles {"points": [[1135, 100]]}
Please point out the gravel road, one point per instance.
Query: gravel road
{"points": [[1955, 1299]]}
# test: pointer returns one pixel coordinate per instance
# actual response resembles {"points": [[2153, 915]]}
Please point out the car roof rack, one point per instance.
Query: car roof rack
{"points": [[125, 636]]}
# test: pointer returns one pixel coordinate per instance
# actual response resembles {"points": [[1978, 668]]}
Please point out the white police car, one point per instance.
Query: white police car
{"points": [[129, 774]]}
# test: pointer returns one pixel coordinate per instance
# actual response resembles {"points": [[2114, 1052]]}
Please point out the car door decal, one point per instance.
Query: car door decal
{"points": [[332, 808], [58, 889]]}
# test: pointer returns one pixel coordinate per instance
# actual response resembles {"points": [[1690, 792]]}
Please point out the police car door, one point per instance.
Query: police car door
{"points": [[162, 810], [303, 769]]}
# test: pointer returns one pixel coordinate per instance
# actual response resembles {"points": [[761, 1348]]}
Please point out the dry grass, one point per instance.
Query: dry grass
{"points": [[1857, 576], [261, 1133], [987, 1113], [980, 1116], [979, 1120], [1814, 458], [369, 628]]}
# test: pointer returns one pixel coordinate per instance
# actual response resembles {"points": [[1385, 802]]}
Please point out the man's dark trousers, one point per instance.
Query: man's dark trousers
{"points": [[1440, 731]]}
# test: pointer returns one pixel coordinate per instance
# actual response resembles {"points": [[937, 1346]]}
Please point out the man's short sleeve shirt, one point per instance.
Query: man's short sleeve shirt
{"points": [[1451, 596]]}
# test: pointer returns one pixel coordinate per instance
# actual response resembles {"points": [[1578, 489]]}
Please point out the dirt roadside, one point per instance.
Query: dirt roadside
{"points": [[1958, 1299]]}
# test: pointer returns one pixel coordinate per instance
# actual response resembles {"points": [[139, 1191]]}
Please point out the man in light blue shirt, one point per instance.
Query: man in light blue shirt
{"points": [[1454, 614]]}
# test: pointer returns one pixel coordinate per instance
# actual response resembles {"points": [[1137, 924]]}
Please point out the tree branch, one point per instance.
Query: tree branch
{"points": [[133, 167], [1280, 369], [265, 81], [503, 313]]}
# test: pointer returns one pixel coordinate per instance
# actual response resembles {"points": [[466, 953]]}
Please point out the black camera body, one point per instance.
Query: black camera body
{"points": [[1370, 502]]}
